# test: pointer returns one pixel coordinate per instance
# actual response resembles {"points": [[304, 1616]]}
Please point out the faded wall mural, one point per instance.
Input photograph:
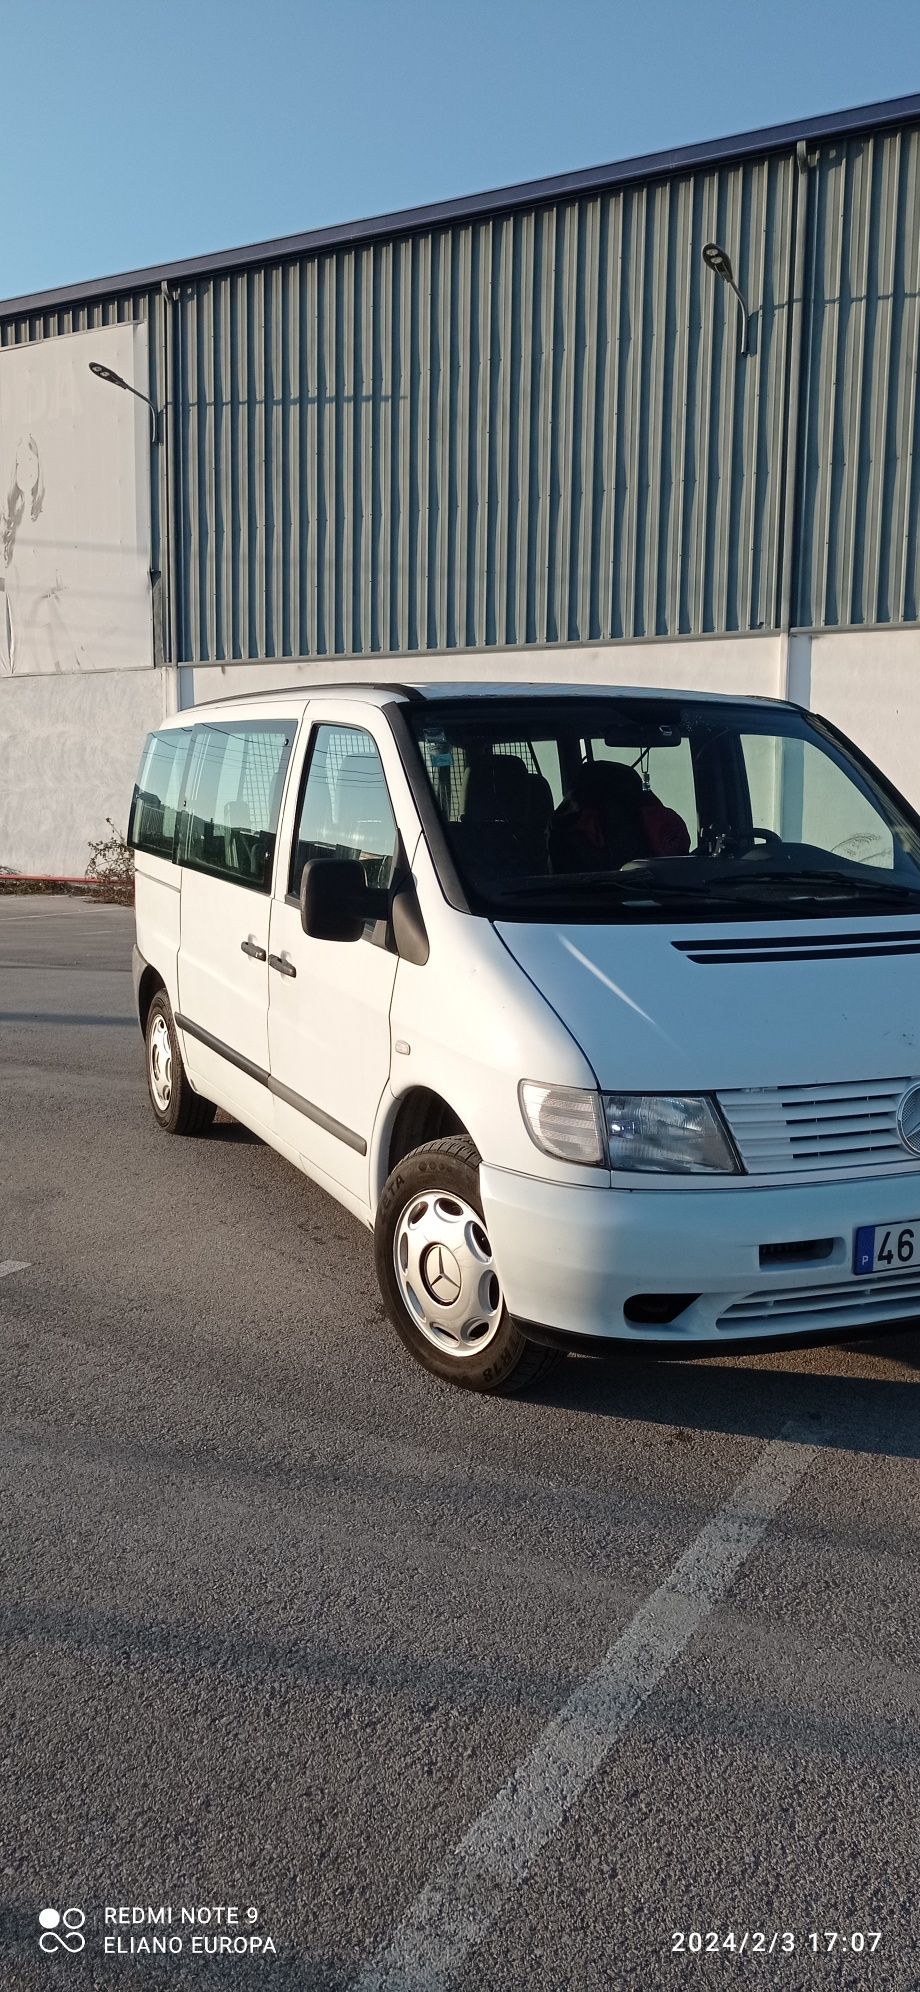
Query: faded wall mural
{"points": [[74, 506]]}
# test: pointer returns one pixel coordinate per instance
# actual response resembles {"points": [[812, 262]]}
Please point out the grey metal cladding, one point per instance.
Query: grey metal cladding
{"points": [[858, 487], [521, 430], [533, 426]]}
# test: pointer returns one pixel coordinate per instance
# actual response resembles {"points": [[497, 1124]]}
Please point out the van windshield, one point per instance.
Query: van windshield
{"points": [[636, 808]]}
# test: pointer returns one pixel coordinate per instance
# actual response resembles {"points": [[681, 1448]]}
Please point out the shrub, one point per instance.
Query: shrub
{"points": [[110, 872]]}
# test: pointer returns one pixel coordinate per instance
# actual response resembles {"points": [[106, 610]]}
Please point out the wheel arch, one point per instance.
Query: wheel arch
{"points": [[416, 1116], [150, 982]]}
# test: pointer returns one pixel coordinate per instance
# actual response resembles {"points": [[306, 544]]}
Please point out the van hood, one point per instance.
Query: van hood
{"points": [[703, 1007]]}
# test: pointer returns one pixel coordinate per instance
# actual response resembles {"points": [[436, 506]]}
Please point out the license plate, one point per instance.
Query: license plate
{"points": [[887, 1248]]}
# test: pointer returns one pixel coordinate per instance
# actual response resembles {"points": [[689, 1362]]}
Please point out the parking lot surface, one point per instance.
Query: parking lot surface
{"points": [[449, 1691]]}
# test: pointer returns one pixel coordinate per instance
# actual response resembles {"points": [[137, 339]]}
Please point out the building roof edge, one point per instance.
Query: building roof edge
{"points": [[471, 207]]}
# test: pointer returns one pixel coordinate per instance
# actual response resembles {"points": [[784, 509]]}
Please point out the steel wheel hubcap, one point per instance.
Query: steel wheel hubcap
{"points": [[161, 1064], [446, 1273]]}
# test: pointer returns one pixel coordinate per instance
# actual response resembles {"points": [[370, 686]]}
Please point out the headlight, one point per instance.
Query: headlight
{"points": [[673, 1133], [564, 1121]]}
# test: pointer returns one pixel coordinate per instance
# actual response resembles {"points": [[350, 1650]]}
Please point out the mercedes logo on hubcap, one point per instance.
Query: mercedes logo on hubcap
{"points": [[908, 1119], [442, 1275]]}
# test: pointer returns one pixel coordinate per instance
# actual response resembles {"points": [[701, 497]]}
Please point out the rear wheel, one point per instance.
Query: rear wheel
{"points": [[438, 1275], [178, 1109]]}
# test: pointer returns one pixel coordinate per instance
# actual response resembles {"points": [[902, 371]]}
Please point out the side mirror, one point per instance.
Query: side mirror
{"points": [[409, 931], [335, 900]]}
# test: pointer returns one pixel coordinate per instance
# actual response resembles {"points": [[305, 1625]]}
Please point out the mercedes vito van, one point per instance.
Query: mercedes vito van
{"points": [[600, 1008]]}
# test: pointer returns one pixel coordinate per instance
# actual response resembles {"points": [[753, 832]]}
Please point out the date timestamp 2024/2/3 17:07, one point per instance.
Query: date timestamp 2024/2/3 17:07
{"points": [[778, 1942]]}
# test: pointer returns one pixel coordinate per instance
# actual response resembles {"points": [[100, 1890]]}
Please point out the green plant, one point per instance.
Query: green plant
{"points": [[110, 871]]}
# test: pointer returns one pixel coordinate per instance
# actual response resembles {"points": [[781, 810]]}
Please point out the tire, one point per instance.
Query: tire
{"points": [[177, 1109], [431, 1207]]}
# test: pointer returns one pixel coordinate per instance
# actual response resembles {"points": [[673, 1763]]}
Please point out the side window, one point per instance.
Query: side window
{"points": [[234, 800], [799, 791], [345, 809], [158, 792]]}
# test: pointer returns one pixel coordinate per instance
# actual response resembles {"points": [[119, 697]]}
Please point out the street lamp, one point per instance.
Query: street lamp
{"points": [[719, 262], [115, 380]]}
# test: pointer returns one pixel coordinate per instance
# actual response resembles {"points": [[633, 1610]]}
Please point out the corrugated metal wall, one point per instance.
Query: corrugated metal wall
{"points": [[529, 429], [859, 461], [537, 427]]}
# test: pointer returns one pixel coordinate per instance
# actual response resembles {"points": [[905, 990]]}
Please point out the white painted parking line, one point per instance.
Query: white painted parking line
{"points": [[467, 1894], [13, 1266]]}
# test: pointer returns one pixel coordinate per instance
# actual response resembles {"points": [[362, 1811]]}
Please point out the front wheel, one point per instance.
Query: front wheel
{"points": [[438, 1275]]}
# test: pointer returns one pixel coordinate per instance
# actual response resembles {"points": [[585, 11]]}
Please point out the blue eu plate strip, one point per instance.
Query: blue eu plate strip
{"points": [[864, 1249]]}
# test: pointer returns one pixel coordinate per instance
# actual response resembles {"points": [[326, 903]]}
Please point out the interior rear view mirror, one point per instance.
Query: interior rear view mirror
{"points": [[641, 736]]}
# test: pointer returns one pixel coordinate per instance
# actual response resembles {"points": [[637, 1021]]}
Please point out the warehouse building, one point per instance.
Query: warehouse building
{"points": [[538, 433]]}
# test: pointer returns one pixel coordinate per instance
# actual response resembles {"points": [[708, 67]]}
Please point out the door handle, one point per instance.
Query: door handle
{"points": [[255, 953], [283, 967]]}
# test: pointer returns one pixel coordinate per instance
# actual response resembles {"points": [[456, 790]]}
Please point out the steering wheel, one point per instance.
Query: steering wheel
{"points": [[747, 840]]}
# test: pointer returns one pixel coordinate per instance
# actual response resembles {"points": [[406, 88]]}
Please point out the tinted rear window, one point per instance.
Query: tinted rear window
{"points": [[158, 792]]}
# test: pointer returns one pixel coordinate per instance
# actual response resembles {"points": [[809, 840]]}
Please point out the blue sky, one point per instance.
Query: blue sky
{"points": [[139, 131]]}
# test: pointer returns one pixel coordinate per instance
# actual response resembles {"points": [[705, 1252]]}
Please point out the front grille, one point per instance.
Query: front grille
{"points": [[833, 1129], [893, 1297]]}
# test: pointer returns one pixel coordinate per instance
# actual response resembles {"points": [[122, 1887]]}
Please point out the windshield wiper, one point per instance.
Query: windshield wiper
{"points": [[835, 885], [558, 885], [812, 883]]}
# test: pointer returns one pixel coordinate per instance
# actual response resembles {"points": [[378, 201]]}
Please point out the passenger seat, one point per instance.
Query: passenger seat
{"points": [[506, 809]]}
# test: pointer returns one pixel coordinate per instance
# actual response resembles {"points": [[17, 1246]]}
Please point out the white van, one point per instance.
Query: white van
{"points": [[601, 1008]]}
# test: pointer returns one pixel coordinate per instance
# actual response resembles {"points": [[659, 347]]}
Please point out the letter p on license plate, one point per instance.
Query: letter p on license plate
{"points": [[887, 1248]]}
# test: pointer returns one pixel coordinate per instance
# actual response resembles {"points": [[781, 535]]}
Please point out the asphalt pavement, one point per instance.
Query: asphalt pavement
{"points": [[438, 1693]]}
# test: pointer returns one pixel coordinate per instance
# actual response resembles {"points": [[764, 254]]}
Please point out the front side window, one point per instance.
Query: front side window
{"points": [[345, 809], [645, 807], [236, 781], [799, 794], [158, 792]]}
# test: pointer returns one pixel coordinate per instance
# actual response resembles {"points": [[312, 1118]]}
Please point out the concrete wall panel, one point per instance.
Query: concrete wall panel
{"points": [[69, 752], [867, 682]]}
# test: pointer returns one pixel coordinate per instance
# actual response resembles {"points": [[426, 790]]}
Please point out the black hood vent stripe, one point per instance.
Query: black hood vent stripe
{"points": [[795, 947]]}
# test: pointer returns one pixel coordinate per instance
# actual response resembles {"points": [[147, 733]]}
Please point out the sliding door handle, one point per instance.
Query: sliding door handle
{"points": [[283, 967], [255, 953]]}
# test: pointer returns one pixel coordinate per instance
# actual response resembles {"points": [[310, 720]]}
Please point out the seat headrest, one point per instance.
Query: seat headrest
{"points": [[499, 789], [608, 785]]}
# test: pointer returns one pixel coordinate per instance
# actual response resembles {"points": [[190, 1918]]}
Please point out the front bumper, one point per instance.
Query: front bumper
{"points": [[571, 1258]]}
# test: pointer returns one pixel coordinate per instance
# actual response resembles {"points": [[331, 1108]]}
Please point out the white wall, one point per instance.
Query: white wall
{"points": [[70, 744], [708, 664], [74, 506], [69, 751], [868, 682]]}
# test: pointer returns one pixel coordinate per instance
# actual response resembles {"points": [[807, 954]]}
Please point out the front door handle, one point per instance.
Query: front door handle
{"points": [[283, 967], [255, 953]]}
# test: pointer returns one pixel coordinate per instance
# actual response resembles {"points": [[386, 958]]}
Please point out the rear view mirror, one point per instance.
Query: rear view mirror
{"points": [[641, 737], [335, 900], [638, 724]]}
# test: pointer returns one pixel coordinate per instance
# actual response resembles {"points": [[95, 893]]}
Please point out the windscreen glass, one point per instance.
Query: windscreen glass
{"points": [[635, 808]]}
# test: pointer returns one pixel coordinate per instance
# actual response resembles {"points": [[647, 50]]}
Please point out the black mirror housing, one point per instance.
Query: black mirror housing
{"points": [[410, 934], [334, 899]]}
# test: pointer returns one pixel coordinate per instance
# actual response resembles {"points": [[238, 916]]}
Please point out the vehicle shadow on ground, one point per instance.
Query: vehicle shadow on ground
{"points": [[851, 1413], [233, 1131]]}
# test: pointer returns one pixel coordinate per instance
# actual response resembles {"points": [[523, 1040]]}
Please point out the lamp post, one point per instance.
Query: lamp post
{"points": [[115, 380], [719, 262]]}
